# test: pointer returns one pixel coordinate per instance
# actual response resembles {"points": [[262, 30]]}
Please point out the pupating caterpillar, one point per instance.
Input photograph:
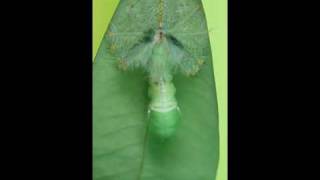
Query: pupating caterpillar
{"points": [[162, 43]]}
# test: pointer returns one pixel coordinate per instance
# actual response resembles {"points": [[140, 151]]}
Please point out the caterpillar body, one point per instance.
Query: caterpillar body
{"points": [[161, 47], [163, 111]]}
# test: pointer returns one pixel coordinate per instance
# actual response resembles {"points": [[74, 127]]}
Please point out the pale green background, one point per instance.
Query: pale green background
{"points": [[216, 13]]}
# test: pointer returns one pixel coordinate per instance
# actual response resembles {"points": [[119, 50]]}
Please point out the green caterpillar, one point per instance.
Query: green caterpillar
{"points": [[163, 112], [150, 39]]}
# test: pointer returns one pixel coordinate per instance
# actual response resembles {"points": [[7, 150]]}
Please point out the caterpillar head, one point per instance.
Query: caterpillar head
{"points": [[164, 124]]}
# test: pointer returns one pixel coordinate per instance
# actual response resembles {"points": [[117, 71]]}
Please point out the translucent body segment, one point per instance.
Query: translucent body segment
{"points": [[164, 124]]}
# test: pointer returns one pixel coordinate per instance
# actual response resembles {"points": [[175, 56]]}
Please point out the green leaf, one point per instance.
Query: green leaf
{"points": [[123, 148]]}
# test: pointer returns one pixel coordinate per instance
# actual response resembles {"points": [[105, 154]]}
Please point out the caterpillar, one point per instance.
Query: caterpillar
{"points": [[164, 112], [161, 43]]}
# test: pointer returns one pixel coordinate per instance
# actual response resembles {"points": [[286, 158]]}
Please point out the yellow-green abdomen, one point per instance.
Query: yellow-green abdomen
{"points": [[164, 112]]}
